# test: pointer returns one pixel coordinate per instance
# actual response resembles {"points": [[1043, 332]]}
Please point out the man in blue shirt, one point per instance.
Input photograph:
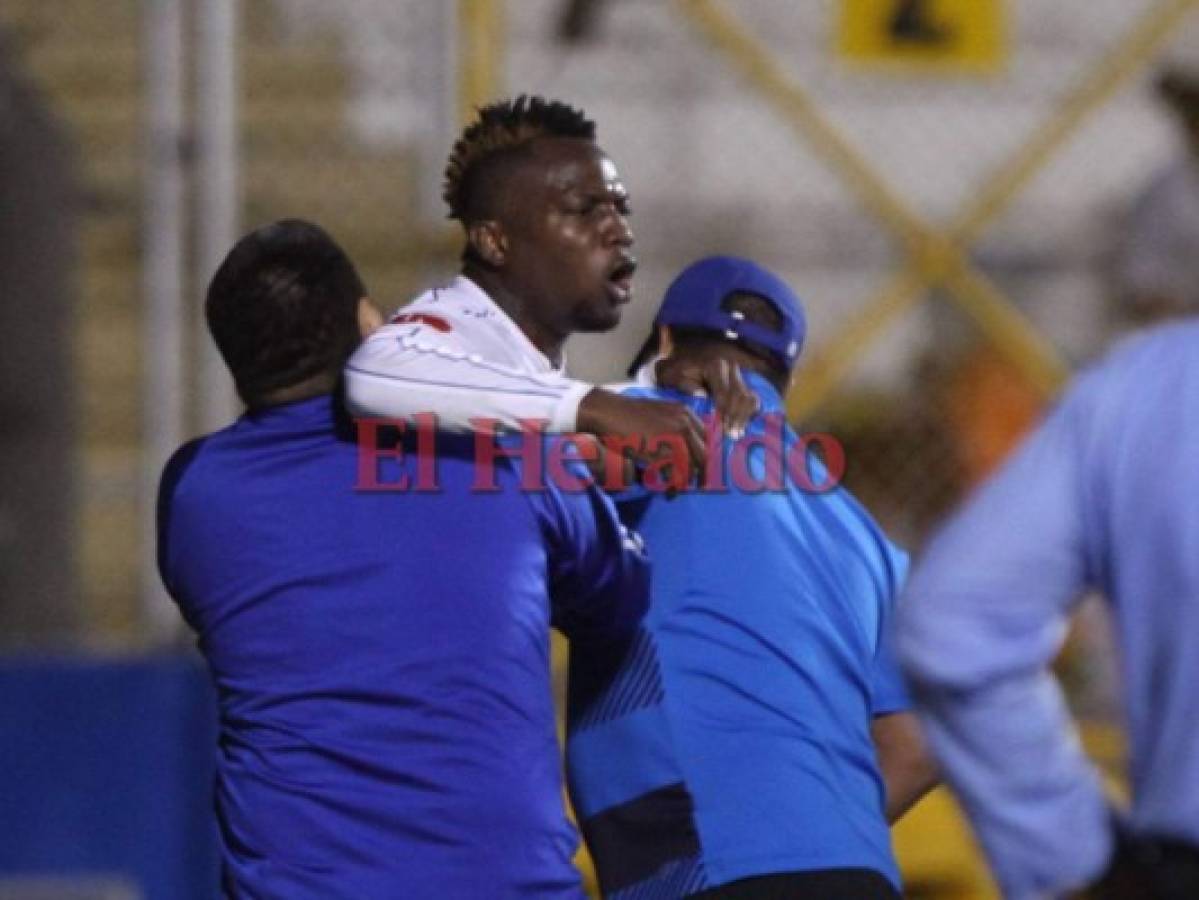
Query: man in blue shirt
{"points": [[1105, 494], [382, 658], [730, 748]]}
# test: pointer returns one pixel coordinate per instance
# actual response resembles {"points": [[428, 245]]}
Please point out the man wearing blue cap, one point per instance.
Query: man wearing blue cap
{"points": [[752, 740]]}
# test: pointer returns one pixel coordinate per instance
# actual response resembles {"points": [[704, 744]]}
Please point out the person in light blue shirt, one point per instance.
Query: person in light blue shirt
{"points": [[1104, 494], [732, 748]]}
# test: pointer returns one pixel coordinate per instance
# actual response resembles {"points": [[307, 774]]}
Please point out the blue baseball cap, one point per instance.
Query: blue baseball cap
{"points": [[695, 299]]}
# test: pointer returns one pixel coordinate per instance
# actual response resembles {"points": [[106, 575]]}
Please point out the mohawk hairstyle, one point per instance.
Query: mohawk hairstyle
{"points": [[501, 128]]}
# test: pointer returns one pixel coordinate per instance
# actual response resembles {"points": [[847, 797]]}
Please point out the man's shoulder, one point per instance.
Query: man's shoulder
{"points": [[1143, 371], [455, 318], [181, 468], [460, 302], [209, 465], [1177, 341]]}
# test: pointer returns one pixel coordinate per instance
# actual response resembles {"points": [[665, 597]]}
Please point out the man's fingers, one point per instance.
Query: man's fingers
{"points": [[749, 404], [683, 376], [697, 447], [689, 383], [735, 403]]}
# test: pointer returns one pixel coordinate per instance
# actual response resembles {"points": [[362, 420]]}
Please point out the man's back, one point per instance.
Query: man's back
{"points": [[744, 710], [1102, 495], [386, 719], [1141, 465]]}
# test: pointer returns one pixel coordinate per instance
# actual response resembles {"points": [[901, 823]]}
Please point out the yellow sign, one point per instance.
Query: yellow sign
{"points": [[963, 35]]}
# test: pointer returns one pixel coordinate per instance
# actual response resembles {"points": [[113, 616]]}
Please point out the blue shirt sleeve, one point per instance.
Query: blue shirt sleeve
{"points": [[598, 570], [172, 475], [890, 691]]}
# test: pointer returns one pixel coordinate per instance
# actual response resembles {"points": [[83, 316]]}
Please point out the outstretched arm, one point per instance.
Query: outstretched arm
{"points": [[401, 371]]}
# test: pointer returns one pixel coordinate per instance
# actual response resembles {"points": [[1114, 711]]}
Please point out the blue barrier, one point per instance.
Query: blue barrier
{"points": [[106, 772]]}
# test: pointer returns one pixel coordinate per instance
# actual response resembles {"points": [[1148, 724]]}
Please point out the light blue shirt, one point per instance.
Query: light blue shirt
{"points": [[732, 739], [1105, 494]]}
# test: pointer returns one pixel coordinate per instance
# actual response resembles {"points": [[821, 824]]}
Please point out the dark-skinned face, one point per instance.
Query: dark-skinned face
{"points": [[567, 254]]}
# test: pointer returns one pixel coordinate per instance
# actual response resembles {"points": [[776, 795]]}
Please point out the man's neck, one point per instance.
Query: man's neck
{"points": [[319, 385], [510, 302]]}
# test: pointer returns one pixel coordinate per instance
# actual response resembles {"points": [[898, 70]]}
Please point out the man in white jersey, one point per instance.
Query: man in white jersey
{"points": [[548, 253]]}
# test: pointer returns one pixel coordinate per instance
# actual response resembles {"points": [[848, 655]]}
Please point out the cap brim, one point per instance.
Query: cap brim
{"points": [[647, 352], [1179, 87]]}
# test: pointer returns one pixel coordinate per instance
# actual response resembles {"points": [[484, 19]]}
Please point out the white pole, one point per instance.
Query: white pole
{"points": [[438, 71], [218, 187], [162, 287]]}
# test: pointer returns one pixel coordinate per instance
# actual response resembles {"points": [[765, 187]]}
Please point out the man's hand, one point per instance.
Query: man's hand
{"points": [[639, 425], [1145, 868], [720, 379]]}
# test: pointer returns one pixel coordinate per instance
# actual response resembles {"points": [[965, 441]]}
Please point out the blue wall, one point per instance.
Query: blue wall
{"points": [[106, 769]]}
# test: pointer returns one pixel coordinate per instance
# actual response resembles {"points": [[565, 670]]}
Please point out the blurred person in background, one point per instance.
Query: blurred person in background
{"points": [[1104, 495], [382, 661], [753, 740], [548, 253], [1157, 254]]}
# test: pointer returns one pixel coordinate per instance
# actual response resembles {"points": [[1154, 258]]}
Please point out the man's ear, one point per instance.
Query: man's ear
{"points": [[369, 318], [489, 242]]}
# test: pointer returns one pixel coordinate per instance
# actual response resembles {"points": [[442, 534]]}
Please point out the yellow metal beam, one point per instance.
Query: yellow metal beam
{"points": [[1006, 328], [480, 54], [979, 298], [1097, 87], [758, 66], [826, 365], [935, 258]]}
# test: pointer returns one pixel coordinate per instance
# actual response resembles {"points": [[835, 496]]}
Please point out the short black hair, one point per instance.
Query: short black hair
{"points": [[1179, 88], [283, 307], [501, 130]]}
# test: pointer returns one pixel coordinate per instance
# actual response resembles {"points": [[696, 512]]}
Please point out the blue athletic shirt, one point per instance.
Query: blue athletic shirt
{"points": [[730, 737], [382, 660]]}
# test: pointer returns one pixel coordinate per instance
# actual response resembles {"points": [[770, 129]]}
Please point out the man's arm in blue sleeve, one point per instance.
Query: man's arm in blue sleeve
{"points": [[599, 572], [890, 692], [982, 618]]}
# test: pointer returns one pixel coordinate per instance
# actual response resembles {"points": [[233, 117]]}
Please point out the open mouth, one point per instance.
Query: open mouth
{"points": [[620, 279]]}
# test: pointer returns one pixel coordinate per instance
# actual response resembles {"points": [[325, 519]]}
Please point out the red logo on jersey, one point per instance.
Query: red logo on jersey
{"points": [[435, 322]]}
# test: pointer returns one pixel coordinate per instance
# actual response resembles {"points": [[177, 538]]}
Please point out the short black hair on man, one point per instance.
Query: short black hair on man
{"points": [[502, 130], [283, 308]]}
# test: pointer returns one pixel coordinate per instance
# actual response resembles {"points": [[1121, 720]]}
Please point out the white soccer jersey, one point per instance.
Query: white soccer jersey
{"points": [[454, 352]]}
